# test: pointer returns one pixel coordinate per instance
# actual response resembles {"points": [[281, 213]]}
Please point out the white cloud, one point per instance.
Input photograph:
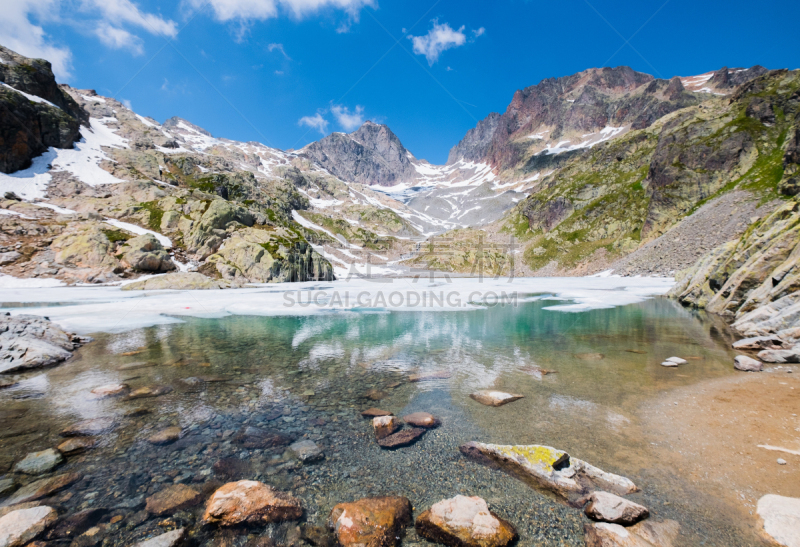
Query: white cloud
{"points": [[346, 119], [118, 38], [279, 47], [18, 33], [22, 22], [249, 10], [315, 122], [127, 104], [440, 38], [121, 12]]}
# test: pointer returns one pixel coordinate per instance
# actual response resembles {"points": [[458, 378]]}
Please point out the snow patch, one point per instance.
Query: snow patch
{"points": [[30, 97], [133, 228]]}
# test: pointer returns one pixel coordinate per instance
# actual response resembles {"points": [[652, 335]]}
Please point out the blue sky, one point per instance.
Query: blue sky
{"points": [[286, 72]]}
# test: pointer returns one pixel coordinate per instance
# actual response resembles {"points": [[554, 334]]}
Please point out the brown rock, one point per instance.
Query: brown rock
{"points": [[405, 437], [75, 445], [150, 391], [464, 522], [385, 426], [172, 498], [611, 508], [43, 488], [422, 419], [490, 397], [87, 428], [645, 534], [371, 522], [166, 436], [375, 412], [250, 502]]}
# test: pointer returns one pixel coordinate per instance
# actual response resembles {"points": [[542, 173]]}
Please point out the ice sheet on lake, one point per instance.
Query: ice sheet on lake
{"points": [[109, 309]]}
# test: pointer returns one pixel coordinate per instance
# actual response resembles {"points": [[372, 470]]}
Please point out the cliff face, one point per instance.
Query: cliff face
{"points": [[370, 155], [35, 112], [568, 109]]}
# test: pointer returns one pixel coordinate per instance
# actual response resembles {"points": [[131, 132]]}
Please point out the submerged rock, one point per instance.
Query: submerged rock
{"points": [[425, 376], [371, 522], [590, 356], [491, 397], [166, 436], [172, 498], [610, 508], [780, 518], [43, 488], [250, 502], [37, 463], [385, 426], [464, 522], [307, 451], [549, 468], [402, 438], [19, 527], [746, 364], [183, 281], [111, 390], [149, 391], [253, 437], [77, 523], [422, 419], [644, 534], [89, 428], [170, 539], [375, 395]]}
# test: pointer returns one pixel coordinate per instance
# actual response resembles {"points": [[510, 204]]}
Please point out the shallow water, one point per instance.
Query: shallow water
{"points": [[306, 377]]}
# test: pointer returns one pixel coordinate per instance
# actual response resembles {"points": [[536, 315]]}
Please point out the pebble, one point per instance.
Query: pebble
{"points": [[781, 461], [165, 436]]}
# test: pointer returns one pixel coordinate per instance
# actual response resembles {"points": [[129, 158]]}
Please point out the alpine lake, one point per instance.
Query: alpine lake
{"points": [[586, 378]]}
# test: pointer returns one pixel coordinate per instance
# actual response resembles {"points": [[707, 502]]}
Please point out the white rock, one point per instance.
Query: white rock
{"points": [[677, 360], [781, 461], [781, 518], [19, 527], [491, 397], [746, 364], [306, 451], [669, 364], [610, 508]]}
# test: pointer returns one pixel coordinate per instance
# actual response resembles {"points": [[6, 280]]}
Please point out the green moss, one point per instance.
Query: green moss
{"points": [[156, 214], [116, 235]]}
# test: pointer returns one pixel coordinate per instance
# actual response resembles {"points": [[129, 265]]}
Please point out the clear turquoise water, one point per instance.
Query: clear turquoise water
{"points": [[306, 377]]}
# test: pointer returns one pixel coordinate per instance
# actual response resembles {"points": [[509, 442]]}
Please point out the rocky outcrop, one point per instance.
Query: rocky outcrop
{"points": [[35, 113], [29, 341], [370, 155], [464, 522], [371, 522], [548, 468], [146, 254], [753, 281]]}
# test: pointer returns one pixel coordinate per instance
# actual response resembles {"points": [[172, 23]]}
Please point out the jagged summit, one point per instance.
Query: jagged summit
{"points": [[372, 154]]}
